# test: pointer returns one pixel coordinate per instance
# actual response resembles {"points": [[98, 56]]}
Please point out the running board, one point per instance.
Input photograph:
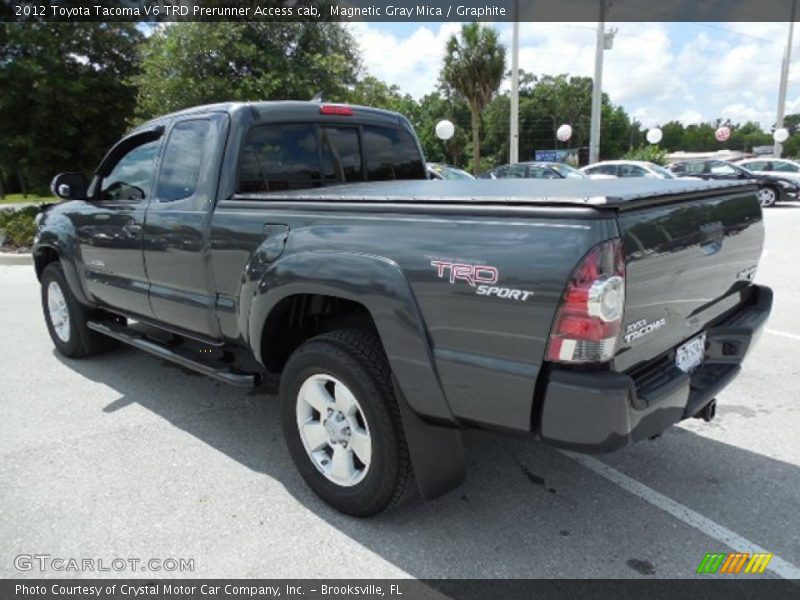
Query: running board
{"points": [[137, 340]]}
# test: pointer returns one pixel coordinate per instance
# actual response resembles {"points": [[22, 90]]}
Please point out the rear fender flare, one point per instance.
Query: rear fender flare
{"points": [[379, 285]]}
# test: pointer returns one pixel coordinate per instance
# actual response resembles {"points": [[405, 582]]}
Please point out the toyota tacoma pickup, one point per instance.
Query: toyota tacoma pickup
{"points": [[301, 242]]}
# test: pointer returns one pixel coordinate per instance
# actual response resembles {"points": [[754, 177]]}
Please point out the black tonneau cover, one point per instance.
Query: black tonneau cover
{"points": [[600, 193]]}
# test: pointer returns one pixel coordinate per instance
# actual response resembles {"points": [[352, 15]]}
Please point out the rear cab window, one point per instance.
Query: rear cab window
{"points": [[291, 156]]}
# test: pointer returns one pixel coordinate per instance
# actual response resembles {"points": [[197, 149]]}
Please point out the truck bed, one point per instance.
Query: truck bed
{"points": [[620, 194]]}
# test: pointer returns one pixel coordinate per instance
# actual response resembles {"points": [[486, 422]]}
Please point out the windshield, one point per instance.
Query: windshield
{"points": [[662, 172], [447, 172], [566, 171]]}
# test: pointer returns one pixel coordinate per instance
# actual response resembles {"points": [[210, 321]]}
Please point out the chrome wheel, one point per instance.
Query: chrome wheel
{"points": [[58, 310], [334, 430], [766, 196]]}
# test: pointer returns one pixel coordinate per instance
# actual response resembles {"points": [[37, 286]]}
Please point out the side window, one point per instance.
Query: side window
{"points": [[279, 157], [632, 171], [131, 177], [756, 165], [183, 158], [720, 168], [391, 154], [516, 171], [341, 155], [784, 167], [535, 172]]}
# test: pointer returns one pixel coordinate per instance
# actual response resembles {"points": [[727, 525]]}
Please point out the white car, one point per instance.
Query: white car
{"points": [[626, 168], [789, 169]]}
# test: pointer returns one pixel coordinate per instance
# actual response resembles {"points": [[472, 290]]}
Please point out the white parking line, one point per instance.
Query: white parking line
{"points": [[791, 336], [777, 565]]}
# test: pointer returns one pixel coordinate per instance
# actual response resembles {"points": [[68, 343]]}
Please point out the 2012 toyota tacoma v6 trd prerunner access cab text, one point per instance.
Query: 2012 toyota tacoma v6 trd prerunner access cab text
{"points": [[249, 240]]}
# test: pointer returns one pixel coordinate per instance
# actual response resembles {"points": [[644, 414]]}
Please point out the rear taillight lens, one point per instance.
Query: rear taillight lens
{"points": [[589, 317], [336, 109]]}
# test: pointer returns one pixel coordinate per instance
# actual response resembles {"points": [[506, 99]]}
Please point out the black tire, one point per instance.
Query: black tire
{"points": [[356, 359], [81, 340]]}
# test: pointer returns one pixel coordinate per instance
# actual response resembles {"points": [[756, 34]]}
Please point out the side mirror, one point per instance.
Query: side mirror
{"points": [[69, 186]]}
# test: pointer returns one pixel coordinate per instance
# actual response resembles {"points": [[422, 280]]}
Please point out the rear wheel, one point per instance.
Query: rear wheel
{"points": [[66, 318], [767, 196], [342, 424]]}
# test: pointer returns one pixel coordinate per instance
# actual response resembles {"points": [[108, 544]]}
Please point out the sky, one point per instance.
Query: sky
{"points": [[690, 72]]}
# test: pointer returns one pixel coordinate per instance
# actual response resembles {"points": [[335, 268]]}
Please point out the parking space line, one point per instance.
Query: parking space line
{"points": [[777, 565], [791, 336]]}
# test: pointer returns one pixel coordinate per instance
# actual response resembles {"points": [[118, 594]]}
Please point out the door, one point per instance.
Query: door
{"points": [[110, 229], [175, 232]]}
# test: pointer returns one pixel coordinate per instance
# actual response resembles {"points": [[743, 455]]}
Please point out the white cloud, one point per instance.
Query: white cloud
{"points": [[413, 62], [691, 72]]}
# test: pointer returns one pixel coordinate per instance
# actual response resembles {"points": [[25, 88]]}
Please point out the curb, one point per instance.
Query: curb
{"points": [[7, 258]]}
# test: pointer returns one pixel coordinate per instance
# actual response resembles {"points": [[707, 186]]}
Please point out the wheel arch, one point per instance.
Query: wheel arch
{"points": [[377, 293]]}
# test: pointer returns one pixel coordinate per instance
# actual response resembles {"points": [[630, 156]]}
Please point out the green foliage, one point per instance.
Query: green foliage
{"points": [[474, 64], [65, 96], [653, 154], [19, 226], [186, 64]]}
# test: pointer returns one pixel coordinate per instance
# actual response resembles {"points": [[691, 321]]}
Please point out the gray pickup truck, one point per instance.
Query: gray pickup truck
{"points": [[302, 240]]}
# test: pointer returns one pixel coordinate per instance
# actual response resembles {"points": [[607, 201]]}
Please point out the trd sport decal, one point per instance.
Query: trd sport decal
{"points": [[481, 277]]}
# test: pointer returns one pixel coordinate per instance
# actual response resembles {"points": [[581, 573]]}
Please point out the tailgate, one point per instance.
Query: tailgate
{"points": [[687, 263]]}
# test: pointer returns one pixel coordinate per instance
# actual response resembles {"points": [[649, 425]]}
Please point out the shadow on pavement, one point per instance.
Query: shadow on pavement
{"points": [[526, 510]]}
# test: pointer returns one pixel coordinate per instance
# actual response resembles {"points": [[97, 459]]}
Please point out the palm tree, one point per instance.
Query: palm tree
{"points": [[473, 67]]}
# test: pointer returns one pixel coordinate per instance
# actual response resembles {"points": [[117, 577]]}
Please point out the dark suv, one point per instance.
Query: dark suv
{"points": [[771, 188]]}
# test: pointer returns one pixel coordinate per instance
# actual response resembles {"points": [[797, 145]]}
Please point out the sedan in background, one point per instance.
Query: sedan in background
{"points": [[772, 188], [441, 171], [626, 168], [782, 167], [533, 170]]}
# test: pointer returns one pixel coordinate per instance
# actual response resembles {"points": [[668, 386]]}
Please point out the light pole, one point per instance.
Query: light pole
{"points": [[514, 129], [787, 56], [604, 41]]}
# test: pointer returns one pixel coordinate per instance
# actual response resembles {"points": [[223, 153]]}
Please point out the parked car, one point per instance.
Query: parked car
{"points": [[533, 170], [782, 167], [587, 314], [772, 188], [626, 168], [441, 171]]}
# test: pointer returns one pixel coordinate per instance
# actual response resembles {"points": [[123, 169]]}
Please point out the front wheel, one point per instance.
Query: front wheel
{"points": [[66, 318], [342, 424], [767, 196]]}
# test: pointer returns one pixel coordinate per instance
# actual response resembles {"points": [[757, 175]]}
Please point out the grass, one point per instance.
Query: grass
{"points": [[18, 198]]}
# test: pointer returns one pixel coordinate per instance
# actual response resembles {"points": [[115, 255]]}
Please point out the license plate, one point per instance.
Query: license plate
{"points": [[690, 355]]}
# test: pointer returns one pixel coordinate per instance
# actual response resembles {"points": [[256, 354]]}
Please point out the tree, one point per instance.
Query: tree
{"points": [[66, 96], [474, 65], [186, 64]]}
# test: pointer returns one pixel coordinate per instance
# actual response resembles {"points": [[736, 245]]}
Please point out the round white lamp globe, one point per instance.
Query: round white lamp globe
{"points": [[781, 135], [654, 135], [564, 132], [445, 129]]}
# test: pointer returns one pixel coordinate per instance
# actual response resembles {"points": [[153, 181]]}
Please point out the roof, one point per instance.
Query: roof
{"points": [[641, 163], [280, 107], [592, 192]]}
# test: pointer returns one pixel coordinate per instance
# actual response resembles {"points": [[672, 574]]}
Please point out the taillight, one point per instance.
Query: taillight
{"points": [[336, 109], [589, 317]]}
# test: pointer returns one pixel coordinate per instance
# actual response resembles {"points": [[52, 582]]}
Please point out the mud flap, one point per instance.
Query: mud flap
{"points": [[437, 453]]}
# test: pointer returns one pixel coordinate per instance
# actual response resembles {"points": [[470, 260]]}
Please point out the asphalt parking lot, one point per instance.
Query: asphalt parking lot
{"points": [[122, 455]]}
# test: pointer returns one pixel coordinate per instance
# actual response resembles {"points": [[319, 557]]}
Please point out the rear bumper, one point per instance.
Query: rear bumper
{"points": [[603, 411]]}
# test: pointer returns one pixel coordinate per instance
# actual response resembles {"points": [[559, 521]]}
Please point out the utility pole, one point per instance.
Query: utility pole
{"points": [[787, 57], [597, 87], [514, 128]]}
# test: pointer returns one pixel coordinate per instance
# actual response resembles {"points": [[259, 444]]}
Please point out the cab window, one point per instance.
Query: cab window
{"points": [[132, 175], [183, 158]]}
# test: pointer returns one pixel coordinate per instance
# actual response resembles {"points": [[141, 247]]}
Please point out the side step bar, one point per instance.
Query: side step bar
{"points": [[137, 340]]}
